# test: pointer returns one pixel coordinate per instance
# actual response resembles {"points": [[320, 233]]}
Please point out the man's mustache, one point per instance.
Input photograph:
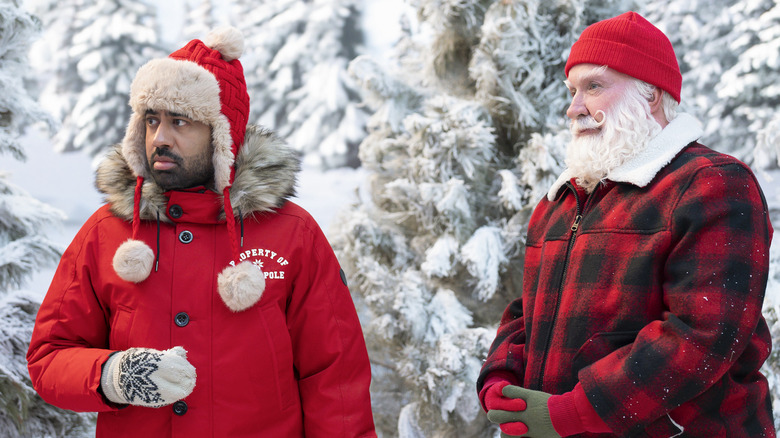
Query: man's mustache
{"points": [[585, 123], [164, 152]]}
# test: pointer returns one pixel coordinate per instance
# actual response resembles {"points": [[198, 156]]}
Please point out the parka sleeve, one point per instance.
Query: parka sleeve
{"points": [[70, 337], [329, 350], [506, 352], [714, 281]]}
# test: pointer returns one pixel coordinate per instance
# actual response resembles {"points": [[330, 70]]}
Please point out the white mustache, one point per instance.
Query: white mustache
{"points": [[584, 123]]}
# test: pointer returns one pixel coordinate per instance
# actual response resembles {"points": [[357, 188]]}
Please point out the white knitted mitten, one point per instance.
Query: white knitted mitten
{"points": [[147, 377]]}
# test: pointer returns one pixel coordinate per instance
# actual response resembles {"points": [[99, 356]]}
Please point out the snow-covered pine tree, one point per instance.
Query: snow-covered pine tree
{"points": [[729, 52], [24, 248], [92, 51], [468, 133], [200, 19], [295, 59]]}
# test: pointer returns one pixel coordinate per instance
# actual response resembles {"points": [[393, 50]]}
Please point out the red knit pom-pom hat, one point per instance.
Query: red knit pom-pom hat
{"points": [[630, 44], [204, 80]]}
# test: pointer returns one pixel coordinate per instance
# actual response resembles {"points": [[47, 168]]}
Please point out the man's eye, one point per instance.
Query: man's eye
{"points": [[179, 122], [151, 121], [593, 86]]}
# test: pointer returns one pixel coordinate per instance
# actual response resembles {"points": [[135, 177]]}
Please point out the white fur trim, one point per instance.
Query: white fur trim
{"points": [[241, 286], [642, 168], [133, 261], [562, 178], [226, 40], [181, 87]]}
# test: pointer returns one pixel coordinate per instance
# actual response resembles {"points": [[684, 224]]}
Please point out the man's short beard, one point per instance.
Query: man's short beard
{"points": [[625, 131], [199, 171]]}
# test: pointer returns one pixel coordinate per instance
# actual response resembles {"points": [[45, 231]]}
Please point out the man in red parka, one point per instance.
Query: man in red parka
{"points": [[199, 301], [645, 268]]}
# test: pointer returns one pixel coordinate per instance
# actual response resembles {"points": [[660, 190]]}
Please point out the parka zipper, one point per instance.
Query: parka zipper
{"points": [[574, 227]]}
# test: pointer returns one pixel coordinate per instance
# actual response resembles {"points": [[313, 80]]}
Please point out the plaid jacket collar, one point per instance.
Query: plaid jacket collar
{"points": [[641, 169]]}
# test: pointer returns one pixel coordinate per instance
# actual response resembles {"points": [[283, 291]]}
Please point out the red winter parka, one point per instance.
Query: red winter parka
{"points": [[649, 292], [293, 364]]}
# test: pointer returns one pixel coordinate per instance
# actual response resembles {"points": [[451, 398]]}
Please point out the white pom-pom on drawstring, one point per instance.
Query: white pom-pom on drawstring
{"points": [[226, 40], [241, 286], [133, 261]]}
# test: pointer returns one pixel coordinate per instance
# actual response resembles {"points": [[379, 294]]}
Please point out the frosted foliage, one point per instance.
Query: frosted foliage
{"points": [[484, 257], [23, 247], [464, 138], [448, 316], [408, 422], [24, 414], [540, 162], [17, 109], [441, 257], [518, 63], [767, 152], [771, 309], [728, 52], [93, 54], [200, 18], [393, 98], [411, 296], [296, 60]]}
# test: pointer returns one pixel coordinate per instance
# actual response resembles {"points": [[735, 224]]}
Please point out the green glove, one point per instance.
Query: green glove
{"points": [[536, 416]]}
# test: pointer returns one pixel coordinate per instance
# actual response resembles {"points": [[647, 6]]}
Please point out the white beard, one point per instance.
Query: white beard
{"points": [[625, 131]]}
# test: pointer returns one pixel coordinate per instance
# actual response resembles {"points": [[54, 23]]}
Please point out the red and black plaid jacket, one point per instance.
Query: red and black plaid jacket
{"points": [[651, 298]]}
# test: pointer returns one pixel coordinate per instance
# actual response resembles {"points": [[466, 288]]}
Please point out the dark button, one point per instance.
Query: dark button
{"points": [[175, 211], [185, 237], [180, 408], [182, 319]]}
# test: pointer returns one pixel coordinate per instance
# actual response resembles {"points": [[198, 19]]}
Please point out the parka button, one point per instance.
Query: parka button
{"points": [[180, 408], [185, 237], [182, 319], [175, 211]]}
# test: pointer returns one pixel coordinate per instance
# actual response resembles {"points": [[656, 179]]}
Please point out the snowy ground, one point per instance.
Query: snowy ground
{"points": [[65, 181]]}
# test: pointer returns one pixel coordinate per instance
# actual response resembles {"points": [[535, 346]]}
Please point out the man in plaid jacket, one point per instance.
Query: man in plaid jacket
{"points": [[645, 268]]}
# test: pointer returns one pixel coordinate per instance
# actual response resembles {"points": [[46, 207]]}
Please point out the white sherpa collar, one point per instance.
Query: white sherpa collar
{"points": [[642, 168]]}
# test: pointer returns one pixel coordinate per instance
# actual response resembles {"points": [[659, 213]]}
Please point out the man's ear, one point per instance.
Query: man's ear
{"points": [[655, 99], [657, 106]]}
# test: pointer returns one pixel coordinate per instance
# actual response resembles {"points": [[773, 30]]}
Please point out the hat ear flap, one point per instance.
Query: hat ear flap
{"points": [[134, 145]]}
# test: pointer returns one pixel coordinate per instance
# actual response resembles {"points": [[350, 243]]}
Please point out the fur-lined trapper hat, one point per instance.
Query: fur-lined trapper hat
{"points": [[204, 80]]}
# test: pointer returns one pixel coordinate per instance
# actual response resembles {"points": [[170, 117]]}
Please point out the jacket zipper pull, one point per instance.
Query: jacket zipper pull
{"points": [[576, 223]]}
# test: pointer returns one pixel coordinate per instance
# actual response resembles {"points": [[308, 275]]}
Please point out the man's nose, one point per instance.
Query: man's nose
{"points": [[576, 107], [162, 136]]}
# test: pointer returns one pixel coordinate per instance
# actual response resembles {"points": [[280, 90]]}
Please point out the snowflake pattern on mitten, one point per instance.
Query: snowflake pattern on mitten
{"points": [[135, 373]]}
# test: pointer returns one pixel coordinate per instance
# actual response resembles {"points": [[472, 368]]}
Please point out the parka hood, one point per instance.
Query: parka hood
{"points": [[266, 175]]}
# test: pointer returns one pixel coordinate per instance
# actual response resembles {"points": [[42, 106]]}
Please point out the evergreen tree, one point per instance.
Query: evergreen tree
{"points": [[92, 53], [468, 133], [200, 19], [24, 247], [729, 52], [296, 56]]}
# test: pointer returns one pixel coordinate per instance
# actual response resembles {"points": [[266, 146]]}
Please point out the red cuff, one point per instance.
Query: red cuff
{"points": [[589, 417], [571, 413], [493, 378]]}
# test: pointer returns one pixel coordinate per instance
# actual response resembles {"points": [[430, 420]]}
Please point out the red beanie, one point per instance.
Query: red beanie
{"points": [[631, 45]]}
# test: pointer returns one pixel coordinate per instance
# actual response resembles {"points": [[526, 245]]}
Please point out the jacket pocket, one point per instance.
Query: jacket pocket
{"points": [[121, 323], [599, 346], [282, 355]]}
